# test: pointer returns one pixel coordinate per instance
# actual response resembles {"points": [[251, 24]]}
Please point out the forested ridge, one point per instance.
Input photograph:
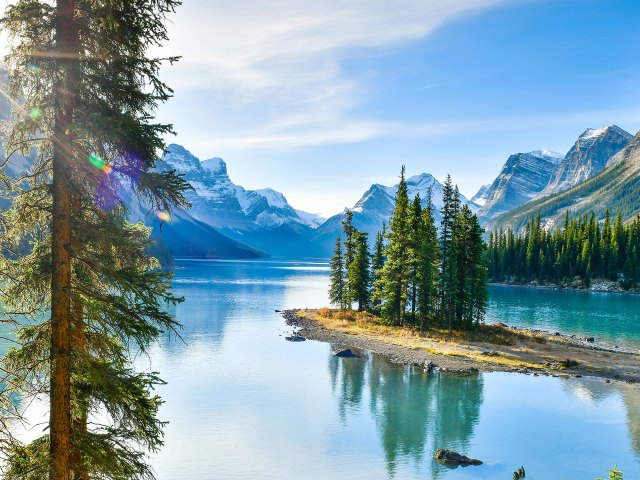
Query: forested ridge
{"points": [[581, 251]]}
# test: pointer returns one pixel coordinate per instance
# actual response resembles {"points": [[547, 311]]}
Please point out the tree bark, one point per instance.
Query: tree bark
{"points": [[67, 49]]}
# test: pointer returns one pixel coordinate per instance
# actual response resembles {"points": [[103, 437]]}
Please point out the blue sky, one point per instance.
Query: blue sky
{"points": [[321, 99]]}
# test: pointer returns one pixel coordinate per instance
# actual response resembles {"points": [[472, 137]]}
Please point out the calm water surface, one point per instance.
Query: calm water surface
{"points": [[612, 318], [243, 403]]}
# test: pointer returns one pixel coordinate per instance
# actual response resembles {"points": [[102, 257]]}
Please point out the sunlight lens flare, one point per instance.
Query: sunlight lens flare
{"points": [[164, 216], [35, 113], [96, 161]]}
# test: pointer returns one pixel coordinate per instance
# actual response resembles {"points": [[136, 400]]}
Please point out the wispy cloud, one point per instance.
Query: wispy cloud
{"points": [[291, 134], [276, 68]]}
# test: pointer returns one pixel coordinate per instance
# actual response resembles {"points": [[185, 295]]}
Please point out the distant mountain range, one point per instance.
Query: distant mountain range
{"points": [[264, 219], [260, 219], [616, 188], [600, 171], [375, 207], [526, 177]]}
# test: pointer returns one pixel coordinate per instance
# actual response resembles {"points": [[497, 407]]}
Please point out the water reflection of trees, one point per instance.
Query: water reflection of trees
{"points": [[347, 381], [631, 397], [415, 413]]}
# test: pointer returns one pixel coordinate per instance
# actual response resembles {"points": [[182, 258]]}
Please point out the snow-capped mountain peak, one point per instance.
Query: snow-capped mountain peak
{"points": [[217, 201], [548, 154], [181, 159], [588, 156], [215, 165]]}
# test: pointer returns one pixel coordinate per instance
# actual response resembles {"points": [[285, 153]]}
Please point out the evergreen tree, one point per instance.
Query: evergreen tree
{"points": [[449, 213], [416, 238], [476, 295], [360, 272], [396, 274], [349, 247], [337, 289], [87, 90], [377, 264], [428, 265]]}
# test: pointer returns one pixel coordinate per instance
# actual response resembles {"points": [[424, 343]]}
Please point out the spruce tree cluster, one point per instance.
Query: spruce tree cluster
{"points": [[580, 251], [351, 274], [415, 275]]}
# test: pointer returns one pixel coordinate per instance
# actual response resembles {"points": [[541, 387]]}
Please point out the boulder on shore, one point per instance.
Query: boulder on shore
{"points": [[295, 338], [449, 456], [345, 353]]}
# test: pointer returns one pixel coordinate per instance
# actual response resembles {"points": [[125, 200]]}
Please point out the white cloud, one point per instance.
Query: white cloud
{"points": [[293, 132], [274, 70]]}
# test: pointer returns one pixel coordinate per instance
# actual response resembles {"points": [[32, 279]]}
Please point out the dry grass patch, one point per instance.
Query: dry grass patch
{"points": [[347, 319]]}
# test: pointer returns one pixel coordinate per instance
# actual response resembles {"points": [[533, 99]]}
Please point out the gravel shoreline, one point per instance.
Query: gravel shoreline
{"points": [[312, 330]]}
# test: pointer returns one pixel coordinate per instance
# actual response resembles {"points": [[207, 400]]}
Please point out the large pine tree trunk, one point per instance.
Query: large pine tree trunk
{"points": [[60, 406]]}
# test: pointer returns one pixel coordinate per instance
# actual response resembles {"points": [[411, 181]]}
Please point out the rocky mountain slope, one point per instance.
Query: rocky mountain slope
{"points": [[262, 219], [528, 176], [588, 156], [616, 188], [522, 178]]}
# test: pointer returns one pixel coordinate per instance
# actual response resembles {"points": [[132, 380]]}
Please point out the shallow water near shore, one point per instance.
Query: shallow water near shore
{"points": [[243, 402]]}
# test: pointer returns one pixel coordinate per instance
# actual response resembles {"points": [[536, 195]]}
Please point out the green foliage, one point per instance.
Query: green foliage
{"points": [[349, 250], [338, 281], [577, 253], [448, 267], [359, 272], [377, 263], [118, 295], [428, 259], [396, 273], [614, 474], [417, 278]]}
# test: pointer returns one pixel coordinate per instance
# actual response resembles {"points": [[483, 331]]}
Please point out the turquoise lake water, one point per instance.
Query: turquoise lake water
{"points": [[611, 318], [243, 403]]}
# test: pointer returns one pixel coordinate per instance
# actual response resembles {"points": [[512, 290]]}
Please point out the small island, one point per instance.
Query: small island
{"points": [[489, 348], [421, 298]]}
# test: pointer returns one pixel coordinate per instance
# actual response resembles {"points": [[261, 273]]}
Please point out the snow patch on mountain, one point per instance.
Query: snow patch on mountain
{"points": [[312, 219], [588, 156], [274, 199], [375, 207], [217, 201], [215, 165], [480, 198]]}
